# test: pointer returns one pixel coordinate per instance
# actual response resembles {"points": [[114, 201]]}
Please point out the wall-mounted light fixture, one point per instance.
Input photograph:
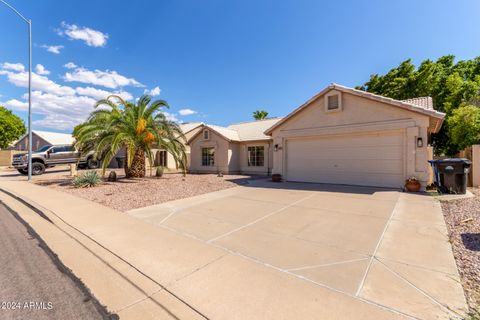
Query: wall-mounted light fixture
{"points": [[275, 147], [419, 142]]}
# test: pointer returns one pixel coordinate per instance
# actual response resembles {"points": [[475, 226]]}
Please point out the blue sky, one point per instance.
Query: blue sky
{"points": [[219, 60]]}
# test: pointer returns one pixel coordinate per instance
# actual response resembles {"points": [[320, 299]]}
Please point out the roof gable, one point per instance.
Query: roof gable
{"points": [[226, 133], [413, 105]]}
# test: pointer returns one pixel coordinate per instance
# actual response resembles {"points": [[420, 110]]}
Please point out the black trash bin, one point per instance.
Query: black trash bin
{"points": [[452, 174], [120, 161]]}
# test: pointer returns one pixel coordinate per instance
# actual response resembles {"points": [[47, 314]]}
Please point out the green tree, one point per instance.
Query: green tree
{"points": [[260, 114], [450, 85], [464, 126], [137, 127], [11, 127]]}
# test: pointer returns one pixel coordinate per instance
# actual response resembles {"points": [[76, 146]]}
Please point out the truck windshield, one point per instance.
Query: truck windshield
{"points": [[44, 148]]}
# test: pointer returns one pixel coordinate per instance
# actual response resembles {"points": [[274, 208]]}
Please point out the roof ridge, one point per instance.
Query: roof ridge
{"points": [[253, 121]]}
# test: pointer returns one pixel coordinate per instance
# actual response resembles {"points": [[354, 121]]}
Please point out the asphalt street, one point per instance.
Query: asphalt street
{"points": [[34, 284]]}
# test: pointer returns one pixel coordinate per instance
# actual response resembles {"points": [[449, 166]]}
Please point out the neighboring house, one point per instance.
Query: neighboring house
{"points": [[40, 139], [348, 136], [239, 148]]}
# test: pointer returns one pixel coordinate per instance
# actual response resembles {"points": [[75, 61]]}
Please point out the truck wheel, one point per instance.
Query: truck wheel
{"points": [[38, 168], [22, 171], [92, 163]]}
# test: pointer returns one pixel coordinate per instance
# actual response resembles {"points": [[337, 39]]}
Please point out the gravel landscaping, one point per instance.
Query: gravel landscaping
{"points": [[463, 221], [127, 194]]}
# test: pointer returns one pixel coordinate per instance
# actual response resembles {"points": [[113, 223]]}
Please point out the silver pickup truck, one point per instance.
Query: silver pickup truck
{"points": [[50, 156]]}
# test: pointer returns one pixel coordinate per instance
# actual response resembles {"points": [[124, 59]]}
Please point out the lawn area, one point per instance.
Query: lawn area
{"points": [[463, 222], [126, 194]]}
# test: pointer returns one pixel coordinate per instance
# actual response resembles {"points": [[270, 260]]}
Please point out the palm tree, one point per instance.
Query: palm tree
{"points": [[260, 114], [137, 128]]}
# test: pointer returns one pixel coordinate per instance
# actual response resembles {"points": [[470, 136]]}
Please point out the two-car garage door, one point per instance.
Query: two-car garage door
{"points": [[357, 159]]}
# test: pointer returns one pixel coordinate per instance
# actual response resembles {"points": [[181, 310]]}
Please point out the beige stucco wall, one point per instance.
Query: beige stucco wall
{"points": [[223, 153], [268, 161], [6, 157], [358, 115]]}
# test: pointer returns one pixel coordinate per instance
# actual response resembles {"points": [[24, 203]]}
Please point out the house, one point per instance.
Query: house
{"points": [[341, 135], [164, 158], [348, 136], [40, 139], [239, 148]]}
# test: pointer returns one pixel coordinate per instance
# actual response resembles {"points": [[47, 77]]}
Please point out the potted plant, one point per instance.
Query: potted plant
{"points": [[412, 184], [276, 177]]}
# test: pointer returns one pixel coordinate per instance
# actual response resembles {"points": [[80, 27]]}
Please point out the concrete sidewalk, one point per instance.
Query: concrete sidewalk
{"points": [[142, 271]]}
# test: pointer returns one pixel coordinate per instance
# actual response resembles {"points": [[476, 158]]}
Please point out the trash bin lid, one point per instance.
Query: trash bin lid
{"points": [[451, 160]]}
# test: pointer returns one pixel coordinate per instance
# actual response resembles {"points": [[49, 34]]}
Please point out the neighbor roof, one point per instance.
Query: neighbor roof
{"points": [[418, 105], [52, 137]]}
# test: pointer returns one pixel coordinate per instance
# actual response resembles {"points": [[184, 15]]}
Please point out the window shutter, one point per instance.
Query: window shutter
{"points": [[333, 102]]}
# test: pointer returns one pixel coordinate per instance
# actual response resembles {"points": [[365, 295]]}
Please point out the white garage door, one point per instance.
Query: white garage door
{"points": [[357, 159]]}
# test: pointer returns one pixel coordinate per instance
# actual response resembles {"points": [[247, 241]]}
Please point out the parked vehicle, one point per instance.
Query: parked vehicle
{"points": [[50, 156]]}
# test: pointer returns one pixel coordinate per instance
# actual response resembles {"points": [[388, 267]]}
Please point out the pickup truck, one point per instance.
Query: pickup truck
{"points": [[49, 156]]}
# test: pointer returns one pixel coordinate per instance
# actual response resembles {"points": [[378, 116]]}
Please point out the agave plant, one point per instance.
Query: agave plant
{"points": [[136, 127], [87, 180]]}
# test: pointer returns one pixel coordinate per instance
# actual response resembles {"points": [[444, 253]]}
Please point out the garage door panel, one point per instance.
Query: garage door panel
{"points": [[375, 159], [354, 153], [356, 166]]}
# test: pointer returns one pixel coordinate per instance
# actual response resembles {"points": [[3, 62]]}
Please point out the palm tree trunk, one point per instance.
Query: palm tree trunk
{"points": [[137, 168]]}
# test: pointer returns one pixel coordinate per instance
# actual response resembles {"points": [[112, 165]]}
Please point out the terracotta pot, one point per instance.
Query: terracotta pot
{"points": [[276, 177], [412, 186]]}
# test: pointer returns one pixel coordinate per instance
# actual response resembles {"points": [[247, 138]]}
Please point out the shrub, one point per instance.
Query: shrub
{"points": [[87, 180]]}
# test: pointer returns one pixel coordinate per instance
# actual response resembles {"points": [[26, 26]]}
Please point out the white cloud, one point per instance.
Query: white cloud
{"points": [[53, 49], [66, 110], [70, 65], [170, 116], [186, 112], [98, 94], [154, 92], [91, 37], [109, 79], [60, 106], [13, 66], [40, 69], [20, 79]]}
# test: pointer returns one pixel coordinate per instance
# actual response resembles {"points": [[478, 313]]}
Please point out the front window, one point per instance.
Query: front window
{"points": [[256, 156], [208, 157], [161, 158]]}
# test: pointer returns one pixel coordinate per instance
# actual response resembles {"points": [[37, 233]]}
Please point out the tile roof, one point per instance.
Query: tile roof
{"points": [[436, 117], [244, 131], [230, 134], [189, 126], [253, 130], [424, 102]]}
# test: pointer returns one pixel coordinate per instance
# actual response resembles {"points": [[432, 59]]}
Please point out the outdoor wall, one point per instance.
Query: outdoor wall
{"points": [[268, 161], [222, 154], [6, 157], [22, 144], [358, 115], [475, 169]]}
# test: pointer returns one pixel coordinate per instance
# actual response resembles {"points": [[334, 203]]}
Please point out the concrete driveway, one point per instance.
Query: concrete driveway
{"points": [[377, 247]]}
